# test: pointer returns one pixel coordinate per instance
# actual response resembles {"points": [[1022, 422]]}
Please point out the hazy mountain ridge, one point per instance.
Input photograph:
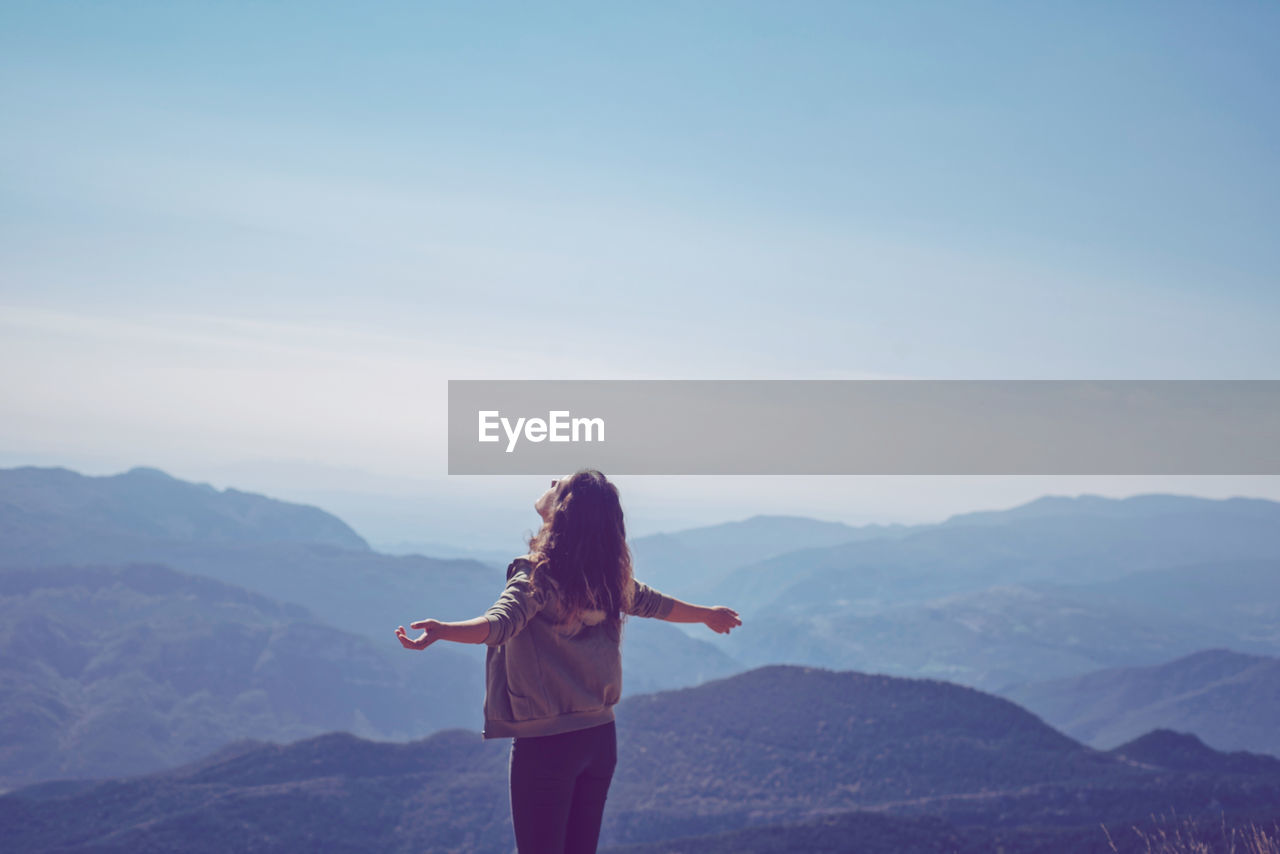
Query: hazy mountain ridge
{"points": [[336, 577], [1241, 596], [697, 559], [148, 503], [1227, 698], [109, 670], [1133, 506], [1013, 547], [988, 639], [1056, 587]]}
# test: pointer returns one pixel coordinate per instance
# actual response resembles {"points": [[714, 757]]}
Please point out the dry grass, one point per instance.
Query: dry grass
{"points": [[1171, 835]]}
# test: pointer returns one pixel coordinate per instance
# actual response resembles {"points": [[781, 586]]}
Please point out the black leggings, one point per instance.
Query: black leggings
{"points": [[558, 787]]}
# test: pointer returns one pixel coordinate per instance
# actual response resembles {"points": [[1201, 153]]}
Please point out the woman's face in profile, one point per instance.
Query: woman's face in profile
{"points": [[544, 503]]}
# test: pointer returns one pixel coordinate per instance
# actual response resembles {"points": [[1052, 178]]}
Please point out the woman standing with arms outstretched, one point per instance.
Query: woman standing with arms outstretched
{"points": [[554, 663]]}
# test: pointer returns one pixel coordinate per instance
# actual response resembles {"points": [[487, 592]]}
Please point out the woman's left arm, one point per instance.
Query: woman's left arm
{"points": [[466, 631]]}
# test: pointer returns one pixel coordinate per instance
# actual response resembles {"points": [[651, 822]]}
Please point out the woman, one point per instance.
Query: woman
{"points": [[554, 662]]}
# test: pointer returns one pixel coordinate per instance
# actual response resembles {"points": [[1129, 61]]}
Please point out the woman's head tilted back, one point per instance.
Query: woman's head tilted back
{"points": [[581, 550]]}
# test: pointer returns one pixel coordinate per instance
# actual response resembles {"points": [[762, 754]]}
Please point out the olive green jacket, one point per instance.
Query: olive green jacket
{"points": [[544, 676]]}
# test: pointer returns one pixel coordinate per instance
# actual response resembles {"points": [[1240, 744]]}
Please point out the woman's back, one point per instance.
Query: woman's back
{"points": [[546, 674]]}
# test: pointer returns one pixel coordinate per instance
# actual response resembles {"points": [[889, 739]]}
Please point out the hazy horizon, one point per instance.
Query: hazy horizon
{"points": [[488, 514]]}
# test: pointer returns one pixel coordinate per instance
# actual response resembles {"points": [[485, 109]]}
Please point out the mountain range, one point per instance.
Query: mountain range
{"points": [[1051, 590], [774, 755]]}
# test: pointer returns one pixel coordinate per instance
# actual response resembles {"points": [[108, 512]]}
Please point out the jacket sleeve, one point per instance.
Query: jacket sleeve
{"points": [[649, 602], [517, 605]]}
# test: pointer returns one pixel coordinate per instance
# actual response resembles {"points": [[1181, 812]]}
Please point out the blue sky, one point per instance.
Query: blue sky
{"points": [[272, 232]]}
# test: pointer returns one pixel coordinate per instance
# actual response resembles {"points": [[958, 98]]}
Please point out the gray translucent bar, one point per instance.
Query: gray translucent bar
{"points": [[910, 427]]}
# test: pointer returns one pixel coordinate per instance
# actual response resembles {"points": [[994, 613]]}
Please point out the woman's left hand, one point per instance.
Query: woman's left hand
{"points": [[430, 634]]}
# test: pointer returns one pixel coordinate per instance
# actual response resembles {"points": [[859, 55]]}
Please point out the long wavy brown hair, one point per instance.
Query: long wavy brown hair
{"points": [[581, 550]]}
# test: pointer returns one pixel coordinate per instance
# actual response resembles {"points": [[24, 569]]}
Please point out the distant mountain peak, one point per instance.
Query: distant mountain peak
{"points": [[149, 471], [1183, 751], [1147, 504], [1164, 739], [148, 503]]}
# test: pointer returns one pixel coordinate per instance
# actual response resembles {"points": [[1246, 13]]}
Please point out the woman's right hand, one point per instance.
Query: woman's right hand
{"points": [[721, 619]]}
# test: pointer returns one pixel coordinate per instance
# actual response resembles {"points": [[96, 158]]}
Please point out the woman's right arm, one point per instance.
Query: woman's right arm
{"points": [[517, 605]]}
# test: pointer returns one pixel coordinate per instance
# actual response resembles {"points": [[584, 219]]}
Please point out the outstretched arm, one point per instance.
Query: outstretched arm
{"points": [[474, 630], [517, 605], [719, 618], [657, 605]]}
